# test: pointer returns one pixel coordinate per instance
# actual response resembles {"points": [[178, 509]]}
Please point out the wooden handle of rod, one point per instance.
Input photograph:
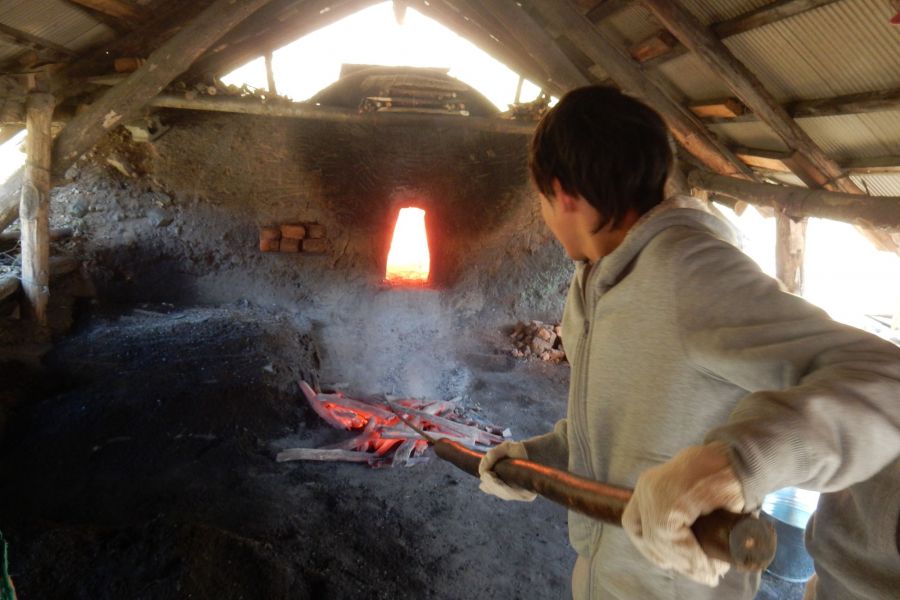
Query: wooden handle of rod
{"points": [[744, 541]]}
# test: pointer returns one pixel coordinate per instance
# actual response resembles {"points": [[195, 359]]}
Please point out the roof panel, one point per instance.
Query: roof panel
{"points": [[752, 134], [843, 48], [693, 78], [54, 20], [879, 185], [856, 136], [716, 11]]}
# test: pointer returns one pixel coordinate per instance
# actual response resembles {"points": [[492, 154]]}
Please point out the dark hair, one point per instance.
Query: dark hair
{"points": [[609, 148]]}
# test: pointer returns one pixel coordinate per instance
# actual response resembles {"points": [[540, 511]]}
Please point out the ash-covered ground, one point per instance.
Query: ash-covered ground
{"points": [[144, 468]]}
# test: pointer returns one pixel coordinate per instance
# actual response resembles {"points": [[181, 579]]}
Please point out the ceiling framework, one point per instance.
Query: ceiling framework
{"points": [[557, 44]]}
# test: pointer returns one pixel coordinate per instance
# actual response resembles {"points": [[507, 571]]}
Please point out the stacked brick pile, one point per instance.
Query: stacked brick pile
{"points": [[293, 237], [538, 340]]}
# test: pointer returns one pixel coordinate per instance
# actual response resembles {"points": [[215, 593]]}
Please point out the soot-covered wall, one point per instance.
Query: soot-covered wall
{"points": [[178, 218]]}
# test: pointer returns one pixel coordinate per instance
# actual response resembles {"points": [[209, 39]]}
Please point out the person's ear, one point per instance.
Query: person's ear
{"points": [[566, 201]]}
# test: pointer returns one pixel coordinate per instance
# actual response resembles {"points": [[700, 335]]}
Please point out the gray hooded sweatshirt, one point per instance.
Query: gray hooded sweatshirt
{"points": [[677, 333]]}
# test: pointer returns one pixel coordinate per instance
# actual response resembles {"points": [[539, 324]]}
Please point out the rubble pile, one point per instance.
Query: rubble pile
{"points": [[538, 340]]}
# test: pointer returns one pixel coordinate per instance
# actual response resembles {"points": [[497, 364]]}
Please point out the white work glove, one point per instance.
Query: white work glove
{"points": [[491, 484], [668, 499]]}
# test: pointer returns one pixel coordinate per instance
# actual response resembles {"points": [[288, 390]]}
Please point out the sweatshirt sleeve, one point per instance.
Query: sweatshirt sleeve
{"points": [[823, 405], [550, 449]]}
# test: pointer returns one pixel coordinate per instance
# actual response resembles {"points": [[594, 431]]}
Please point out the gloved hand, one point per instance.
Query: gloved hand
{"points": [[491, 484], [668, 499]]}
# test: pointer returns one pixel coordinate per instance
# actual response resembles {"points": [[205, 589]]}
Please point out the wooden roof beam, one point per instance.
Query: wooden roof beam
{"points": [[866, 102], [125, 101], [713, 53], [798, 202], [627, 74]]}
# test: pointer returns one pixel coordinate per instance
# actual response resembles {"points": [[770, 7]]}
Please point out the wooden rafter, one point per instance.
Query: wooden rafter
{"points": [[622, 69], [537, 42], [765, 15], [273, 27], [503, 50], [124, 101], [117, 9], [26, 40], [713, 53], [866, 102]]}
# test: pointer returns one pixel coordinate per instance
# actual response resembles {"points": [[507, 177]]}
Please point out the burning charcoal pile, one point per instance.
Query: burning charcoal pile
{"points": [[384, 439], [539, 340]]}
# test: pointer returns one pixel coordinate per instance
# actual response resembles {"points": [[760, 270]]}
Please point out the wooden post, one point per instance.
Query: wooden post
{"points": [[790, 247], [270, 74], [34, 208], [125, 101]]}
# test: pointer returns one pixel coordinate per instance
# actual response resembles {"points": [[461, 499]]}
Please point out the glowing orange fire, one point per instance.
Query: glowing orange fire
{"points": [[408, 260]]}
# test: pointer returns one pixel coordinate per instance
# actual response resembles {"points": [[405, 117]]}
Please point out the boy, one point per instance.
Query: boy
{"points": [[671, 332]]}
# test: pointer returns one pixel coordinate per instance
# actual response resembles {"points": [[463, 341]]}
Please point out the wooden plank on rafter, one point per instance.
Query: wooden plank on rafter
{"points": [[125, 101], [627, 74], [725, 108], [660, 43]]}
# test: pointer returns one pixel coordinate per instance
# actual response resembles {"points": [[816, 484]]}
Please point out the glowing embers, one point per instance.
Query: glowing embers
{"points": [[408, 261]]}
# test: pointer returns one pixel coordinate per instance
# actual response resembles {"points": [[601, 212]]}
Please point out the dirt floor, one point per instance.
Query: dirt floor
{"points": [[146, 470]]}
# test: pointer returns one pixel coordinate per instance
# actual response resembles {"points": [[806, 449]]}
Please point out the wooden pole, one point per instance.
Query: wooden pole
{"points": [[596, 44], [34, 208], [125, 101], [797, 202], [270, 74], [790, 247]]}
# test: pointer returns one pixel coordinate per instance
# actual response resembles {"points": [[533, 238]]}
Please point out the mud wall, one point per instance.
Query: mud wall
{"points": [[176, 220]]}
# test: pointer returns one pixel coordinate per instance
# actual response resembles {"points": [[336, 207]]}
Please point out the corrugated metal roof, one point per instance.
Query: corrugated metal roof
{"points": [[716, 11], [843, 48], [753, 134], [879, 185], [848, 136], [632, 24], [694, 79], [52, 20]]}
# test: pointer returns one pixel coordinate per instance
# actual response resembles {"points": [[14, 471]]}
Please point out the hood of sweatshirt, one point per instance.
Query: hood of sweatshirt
{"points": [[676, 211]]}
